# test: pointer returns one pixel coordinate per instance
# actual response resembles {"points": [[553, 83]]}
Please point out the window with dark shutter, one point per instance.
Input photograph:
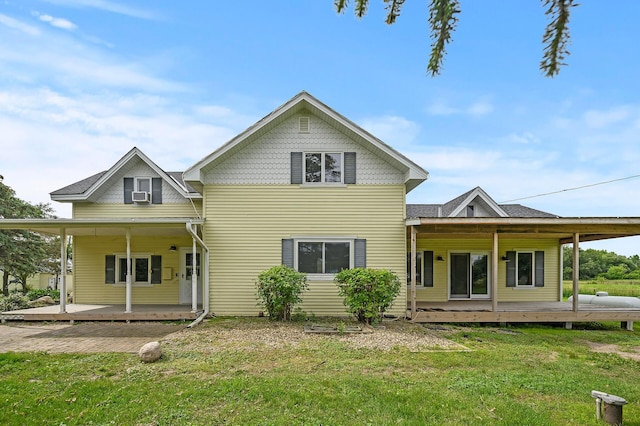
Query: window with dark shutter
{"points": [[110, 269], [360, 253], [296, 167], [349, 167], [427, 276], [128, 189], [287, 252], [539, 262], [156, 191], [511, 269]]}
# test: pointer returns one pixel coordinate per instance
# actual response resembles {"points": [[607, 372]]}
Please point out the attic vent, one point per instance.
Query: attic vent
{"points": [[304, 125]]}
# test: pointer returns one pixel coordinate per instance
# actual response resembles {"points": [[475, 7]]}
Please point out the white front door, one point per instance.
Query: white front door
{"points": [[186, 268]]}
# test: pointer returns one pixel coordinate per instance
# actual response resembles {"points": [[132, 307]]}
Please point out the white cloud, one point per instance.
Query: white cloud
{"points": [[393, 130], [598, 119], [14, 24], [107, 6], [56, 22]]}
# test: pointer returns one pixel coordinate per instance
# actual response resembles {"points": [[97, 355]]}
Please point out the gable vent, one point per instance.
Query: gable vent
{"points": [[304, 125]]}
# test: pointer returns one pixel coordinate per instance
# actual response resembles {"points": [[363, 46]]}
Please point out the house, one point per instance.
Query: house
{"points": [[308, 188]]}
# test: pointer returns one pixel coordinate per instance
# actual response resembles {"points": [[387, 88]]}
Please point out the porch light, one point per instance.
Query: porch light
{"points": [[173, 247], [440, 258], [505, 258]]}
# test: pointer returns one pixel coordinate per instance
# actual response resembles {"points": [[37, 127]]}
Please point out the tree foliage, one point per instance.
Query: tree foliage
{"points": [[601, 263], [443, 20], [367, 293], [22, 253]]}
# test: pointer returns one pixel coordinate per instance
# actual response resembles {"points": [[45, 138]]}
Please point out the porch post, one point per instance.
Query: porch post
{"points": [[494, 275], [63, 271], [128, 280], [194, 279], [576, 269], [414, 233]]}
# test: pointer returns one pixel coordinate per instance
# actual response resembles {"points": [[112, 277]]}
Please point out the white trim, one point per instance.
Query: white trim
{"points": [[134, 255], [478, 192], [533, 268]]}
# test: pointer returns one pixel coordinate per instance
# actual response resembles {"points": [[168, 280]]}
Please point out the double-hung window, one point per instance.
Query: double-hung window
{"points": [[323, 167], [324, 257], [525, 269]]}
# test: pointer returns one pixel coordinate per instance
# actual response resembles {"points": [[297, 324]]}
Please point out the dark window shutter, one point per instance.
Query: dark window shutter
{"points": [[360, 253], [128, 189], [156, 191], [511, 269], [110, 269], [287, 252], [296, 167], [539, 269], [156, 269], [350, 167], [427, 275]]}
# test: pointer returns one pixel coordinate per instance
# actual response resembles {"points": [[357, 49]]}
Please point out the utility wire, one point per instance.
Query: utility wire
{"points": [[571, 189]]}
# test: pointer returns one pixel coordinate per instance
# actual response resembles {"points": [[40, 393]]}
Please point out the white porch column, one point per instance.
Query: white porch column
{"points": [[194, 278], [414, 234], [128, 281], [63, 271], [576, 269], [494, 274]]}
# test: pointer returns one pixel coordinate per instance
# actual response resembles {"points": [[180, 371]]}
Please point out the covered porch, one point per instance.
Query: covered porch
{"points": [[132, 269], [81, 312], [492, 232]]}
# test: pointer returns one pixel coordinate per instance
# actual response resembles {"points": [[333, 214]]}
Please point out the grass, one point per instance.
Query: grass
{"points": [[613, 287], [520, 375]]}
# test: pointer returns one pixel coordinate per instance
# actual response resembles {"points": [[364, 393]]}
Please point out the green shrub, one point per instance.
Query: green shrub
{"points": [[367, 293], [279, 290], [13, 302], [38, 293]]}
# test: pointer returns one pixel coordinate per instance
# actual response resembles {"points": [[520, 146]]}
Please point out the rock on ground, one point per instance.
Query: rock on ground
{"points": [[150, 352]]}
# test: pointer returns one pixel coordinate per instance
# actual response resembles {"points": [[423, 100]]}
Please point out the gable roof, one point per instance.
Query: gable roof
{"points": [[84, 189], [414, 174], [454, 207]]}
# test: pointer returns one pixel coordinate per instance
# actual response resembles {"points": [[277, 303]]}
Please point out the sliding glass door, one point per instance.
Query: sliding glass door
{"points": [[469, 275]]}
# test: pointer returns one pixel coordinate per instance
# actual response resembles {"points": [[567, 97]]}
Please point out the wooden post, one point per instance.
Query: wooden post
{"points": [[414, 233], [494, 274], [63, 271], [576, 269]]}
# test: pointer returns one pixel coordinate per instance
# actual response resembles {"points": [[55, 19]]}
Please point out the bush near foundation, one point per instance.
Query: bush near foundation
{"points": [[279, 290], [367, 293]]}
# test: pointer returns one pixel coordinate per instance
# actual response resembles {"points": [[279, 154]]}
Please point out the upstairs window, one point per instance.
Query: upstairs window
{"points": [[323, 167]]}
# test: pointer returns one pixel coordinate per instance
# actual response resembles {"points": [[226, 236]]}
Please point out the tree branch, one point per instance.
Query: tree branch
{"points": [[443, 21], [556, 36], [393, 10]]}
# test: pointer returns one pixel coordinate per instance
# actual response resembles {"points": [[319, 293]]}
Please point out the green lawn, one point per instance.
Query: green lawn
{"points": [[515, 376], [614, 287]]}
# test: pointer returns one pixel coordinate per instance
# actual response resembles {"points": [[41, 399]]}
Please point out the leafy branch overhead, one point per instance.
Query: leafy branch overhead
{"points": [[443, 21]]}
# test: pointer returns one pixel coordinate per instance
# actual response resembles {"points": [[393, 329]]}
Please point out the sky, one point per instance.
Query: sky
{"points": [[84, 81]]}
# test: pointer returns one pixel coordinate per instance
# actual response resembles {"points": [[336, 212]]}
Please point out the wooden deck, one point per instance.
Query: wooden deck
{"points": [[77, 312], [480, 311]]}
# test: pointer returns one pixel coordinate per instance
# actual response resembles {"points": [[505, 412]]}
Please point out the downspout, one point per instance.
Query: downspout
{"points": [[205, 275]]}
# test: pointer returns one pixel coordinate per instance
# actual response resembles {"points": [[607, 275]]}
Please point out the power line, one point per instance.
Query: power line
{"points": [[571, 189]]}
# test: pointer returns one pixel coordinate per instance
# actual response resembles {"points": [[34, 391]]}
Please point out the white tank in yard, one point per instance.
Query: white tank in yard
{"points": [[602, 298]]}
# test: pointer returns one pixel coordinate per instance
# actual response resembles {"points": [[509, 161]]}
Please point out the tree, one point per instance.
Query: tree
{"points": [[443, 20], [22, 253]]}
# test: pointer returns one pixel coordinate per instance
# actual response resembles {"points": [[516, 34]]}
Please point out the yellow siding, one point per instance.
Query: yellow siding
{"points": [[89, 266], [246, 224], [441, 247], [96, 210]]}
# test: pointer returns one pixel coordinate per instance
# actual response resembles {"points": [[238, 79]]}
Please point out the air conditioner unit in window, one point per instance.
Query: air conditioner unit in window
{"points": [[140, 196]]}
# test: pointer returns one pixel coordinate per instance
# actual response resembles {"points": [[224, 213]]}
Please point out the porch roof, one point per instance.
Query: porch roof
{"points": [[588, 228], [103, 226]]}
